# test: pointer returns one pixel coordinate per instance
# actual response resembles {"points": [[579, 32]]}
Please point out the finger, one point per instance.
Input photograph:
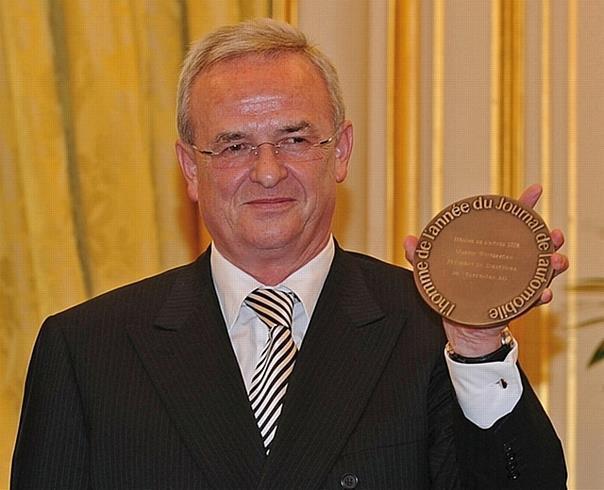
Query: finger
{"points": [[546, 297], [410, 244], [531, 195], [559, 263], [557, 238]]}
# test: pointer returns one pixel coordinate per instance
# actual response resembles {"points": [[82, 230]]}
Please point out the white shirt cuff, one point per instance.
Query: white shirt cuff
{"points": [[487, 391]]}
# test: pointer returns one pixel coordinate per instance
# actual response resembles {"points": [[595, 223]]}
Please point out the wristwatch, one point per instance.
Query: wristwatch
{"points": [[507, 342]]}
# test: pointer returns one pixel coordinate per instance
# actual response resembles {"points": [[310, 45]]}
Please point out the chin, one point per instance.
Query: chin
{"points": [[273, 239]]}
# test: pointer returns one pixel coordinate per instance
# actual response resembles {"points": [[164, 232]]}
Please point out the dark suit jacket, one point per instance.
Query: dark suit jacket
{"points": [[140, 388]]}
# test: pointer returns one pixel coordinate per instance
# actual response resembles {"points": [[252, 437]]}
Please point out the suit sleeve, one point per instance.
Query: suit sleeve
{"points": [[521, 451], [52, 446]]}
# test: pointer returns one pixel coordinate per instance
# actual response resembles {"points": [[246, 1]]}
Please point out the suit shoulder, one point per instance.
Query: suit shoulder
{"points": [[136, 300], [372, 265], [393, 289], [389, 283]]}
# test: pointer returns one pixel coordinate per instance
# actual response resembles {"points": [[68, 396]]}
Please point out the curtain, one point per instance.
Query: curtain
{"points": [[91, 195]]}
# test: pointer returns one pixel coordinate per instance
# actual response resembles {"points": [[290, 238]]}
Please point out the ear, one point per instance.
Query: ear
{"points": [[188, 166], [343, 150]]}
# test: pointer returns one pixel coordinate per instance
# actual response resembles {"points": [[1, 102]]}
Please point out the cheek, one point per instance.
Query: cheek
{"points": [[219, 186], [320, 188], [213, 192]]}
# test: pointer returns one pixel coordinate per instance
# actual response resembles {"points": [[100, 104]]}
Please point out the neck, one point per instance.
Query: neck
{"points": [[272, 267]]}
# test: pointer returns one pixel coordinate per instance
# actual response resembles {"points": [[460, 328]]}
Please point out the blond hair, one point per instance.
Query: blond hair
{"points": [[266, 37]]}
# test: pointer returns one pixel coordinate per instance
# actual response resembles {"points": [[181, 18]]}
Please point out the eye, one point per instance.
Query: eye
{"points": [[297, 140], [294, 142], [235, 149]]}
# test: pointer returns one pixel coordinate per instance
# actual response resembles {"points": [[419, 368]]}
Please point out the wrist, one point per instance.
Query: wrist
{"points": [[500, 352]]}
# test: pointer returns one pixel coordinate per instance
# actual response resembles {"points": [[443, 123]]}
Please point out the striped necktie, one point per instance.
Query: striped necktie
{"points": [[275, 309]]}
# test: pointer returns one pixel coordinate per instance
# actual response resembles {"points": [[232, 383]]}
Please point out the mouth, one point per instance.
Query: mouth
{"points": [[270, 202]]}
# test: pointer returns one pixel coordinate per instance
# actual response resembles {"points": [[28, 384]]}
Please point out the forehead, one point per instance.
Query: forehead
{"points": [[295, 68], [262, 86]]}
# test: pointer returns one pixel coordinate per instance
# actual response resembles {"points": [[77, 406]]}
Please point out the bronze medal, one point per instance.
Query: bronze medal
{"points": [[483, 260]]}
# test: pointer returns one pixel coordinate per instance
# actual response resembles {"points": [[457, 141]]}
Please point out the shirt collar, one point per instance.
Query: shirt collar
{"points": [[233, 284]]}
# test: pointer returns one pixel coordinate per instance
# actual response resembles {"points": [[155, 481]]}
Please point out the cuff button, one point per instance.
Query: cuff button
{"points": [[349, 480]]}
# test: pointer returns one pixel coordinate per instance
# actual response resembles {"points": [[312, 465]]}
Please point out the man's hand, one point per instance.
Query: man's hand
{"points": [[476, 342]]}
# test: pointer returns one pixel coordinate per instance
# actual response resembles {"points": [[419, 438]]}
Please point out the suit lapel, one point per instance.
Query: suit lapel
{"points": [[189, 358], [343, 354]]}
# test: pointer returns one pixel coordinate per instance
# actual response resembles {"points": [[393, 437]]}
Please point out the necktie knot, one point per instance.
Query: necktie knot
{"points": [[273, 307]]}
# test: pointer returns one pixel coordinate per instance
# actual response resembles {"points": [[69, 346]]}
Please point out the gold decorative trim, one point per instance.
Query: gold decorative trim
{"points": [[516, 125], [571, 334], [507, 92], [403, 124], [495, 105], [546, 201], [438, 82], [390, 152]]}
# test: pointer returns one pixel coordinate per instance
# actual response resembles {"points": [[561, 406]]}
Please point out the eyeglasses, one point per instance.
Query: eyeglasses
{"points": [[291, 149]]}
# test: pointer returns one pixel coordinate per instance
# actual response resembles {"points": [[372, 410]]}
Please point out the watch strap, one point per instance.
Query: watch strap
{"points": [[507, 342]]}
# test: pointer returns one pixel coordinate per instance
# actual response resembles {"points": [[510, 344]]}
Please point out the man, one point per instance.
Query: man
{"points": [[197, 379]]}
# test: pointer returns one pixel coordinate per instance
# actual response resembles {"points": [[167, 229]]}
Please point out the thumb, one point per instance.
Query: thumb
{"points": [[410, 244]]}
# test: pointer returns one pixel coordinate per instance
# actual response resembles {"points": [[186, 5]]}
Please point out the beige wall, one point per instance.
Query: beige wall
{"points": [[351, 32], [552, 132]]}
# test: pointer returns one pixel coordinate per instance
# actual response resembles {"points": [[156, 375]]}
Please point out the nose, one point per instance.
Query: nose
{"points": [[267, 170]]}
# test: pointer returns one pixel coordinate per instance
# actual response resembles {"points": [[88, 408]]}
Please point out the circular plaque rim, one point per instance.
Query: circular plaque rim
{"points": [[506, 303]]}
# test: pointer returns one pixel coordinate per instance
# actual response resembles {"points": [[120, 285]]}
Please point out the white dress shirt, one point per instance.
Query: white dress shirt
{"points": [[486, 392]]}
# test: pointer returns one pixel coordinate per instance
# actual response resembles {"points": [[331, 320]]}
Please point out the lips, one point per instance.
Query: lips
{"points": [[269, 201]]}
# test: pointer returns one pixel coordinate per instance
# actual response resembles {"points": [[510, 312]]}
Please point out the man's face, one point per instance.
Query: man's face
{"points": [[269, 207]]}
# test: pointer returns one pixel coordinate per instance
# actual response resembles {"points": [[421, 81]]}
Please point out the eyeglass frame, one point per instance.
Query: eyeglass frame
{"points": [[254, 149]]}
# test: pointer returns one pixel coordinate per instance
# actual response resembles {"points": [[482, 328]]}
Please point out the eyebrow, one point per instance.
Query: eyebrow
{"points": [[228, 136], [295, 127]]}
